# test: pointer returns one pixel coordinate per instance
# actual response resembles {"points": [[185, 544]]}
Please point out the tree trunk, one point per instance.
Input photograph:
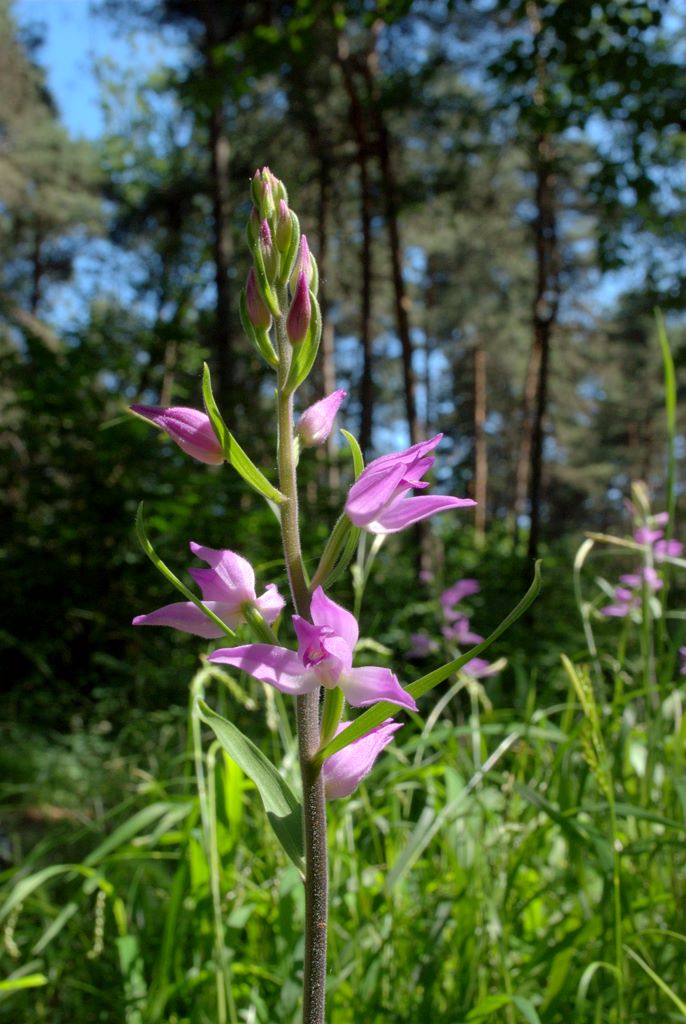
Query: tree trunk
{"points": [[362, 148], [480, 443], [391, 210], [36, 273], [222, 245], [545, 309]]}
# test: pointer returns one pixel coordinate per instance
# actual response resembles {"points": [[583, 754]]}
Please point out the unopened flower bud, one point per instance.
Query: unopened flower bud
{"points": [[190, 428], [283, 231], [314, 426], [252, 228], [266, 203], [300, 313], [269, 252], [306, 265], [257, 310]]}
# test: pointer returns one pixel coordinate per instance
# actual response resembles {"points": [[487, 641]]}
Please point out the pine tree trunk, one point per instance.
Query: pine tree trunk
{"points": [[391, 211], [480, 443], [545, 309], [362, 148], [222, 244]]}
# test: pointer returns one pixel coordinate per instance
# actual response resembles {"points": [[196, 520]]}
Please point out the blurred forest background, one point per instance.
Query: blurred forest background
{"points": [[494, 191]]}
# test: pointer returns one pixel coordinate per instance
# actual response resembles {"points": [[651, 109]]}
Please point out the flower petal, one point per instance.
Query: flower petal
{"points": [[369, 684], [276, 666], [187, 618], [344, 771], [372, 492], [326, 612], [411, 510], [270, 603], [190, 428], [235, 575]]}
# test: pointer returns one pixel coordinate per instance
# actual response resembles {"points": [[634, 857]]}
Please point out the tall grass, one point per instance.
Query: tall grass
{"points": [[525, 863]]}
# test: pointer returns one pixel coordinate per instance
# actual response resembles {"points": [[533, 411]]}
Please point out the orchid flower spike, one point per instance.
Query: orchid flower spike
{"points": [[378, 500], [344, 771], [324, 658], [227, 586], [190, 428], [314, 426]]}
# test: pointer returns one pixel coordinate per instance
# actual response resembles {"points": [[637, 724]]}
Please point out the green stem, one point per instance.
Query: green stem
{"points": [[208, 822], [307, 706]]}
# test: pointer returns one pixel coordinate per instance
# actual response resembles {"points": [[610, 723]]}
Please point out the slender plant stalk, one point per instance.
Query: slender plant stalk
{"points": [[208, 821], [307, 709]]}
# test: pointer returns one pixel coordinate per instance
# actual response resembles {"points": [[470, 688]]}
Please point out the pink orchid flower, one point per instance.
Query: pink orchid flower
{"points": [[227, 586], [422, 645], [667, 549], [479, 668], [453, 595], [628, 597], [324, 658], [314, 426], [682, 654], [378, 500], [460, 632], [344, 771], [190, 428]]}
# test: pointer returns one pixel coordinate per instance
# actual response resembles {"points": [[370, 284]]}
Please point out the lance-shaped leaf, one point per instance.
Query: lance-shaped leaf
{"points": [[305, 353], [168, 574], [376, 715], [356, 451], [283, 808], [233, 452]]}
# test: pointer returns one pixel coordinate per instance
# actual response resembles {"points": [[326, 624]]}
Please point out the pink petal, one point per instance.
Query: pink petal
{"points": [[326, 612], [276, 666], [479, 668], [411, 510], [314, 426], [407, 456], [191, 429], [459, 590], [369, 684], [372, 492], [186, 617], [235, 578], [344, 771], [270, 603]]}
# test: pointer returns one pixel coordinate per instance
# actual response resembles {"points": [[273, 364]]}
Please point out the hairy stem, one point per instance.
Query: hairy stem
{"points": [[307, 708]]}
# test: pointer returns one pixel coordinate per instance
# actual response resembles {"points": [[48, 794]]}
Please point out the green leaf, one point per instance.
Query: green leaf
{"points": [[283, 808], [233, 452], [168, 574], [660, 982], [383, 710], [28, 981], [358, 458], [305, 353], [257, 335]]}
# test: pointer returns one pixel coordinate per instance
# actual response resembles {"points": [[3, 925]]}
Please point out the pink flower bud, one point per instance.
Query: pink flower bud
{"points": [[314, 426], [190, 428], [283, 231], [306, 265], [257, 310], [300, 313], [270, 255], [344, 771]]}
